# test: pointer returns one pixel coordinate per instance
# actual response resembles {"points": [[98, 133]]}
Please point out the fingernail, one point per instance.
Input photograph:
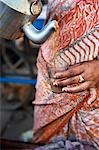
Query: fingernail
{"points": [[55, 76], [55, 83], [64, 89]]}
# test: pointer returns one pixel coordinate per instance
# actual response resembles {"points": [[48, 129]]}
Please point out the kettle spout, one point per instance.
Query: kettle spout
{"points": [[40, 36]]}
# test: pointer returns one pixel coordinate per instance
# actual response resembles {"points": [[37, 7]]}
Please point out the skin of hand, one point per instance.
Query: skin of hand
{"points": [[88, 70]]}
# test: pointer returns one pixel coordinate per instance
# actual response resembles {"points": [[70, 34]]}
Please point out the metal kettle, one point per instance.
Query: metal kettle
{"points": [[16, 16]]}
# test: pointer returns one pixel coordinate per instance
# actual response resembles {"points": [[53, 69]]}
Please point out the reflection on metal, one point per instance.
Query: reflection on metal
{"points": [[22, 6], [39, 36]]}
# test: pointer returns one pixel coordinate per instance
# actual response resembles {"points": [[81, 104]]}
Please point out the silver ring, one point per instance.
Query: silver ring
{"points": [[81, 79]]}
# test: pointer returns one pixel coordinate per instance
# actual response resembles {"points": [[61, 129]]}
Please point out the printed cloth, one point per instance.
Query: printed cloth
{"points": [[77, 41]]}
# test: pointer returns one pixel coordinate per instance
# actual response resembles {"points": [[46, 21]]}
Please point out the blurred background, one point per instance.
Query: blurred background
{"points": [[18, 74]]}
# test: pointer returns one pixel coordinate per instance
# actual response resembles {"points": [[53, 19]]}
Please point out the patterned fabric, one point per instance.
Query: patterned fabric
{"points": [[77, 41], [62, 144]]}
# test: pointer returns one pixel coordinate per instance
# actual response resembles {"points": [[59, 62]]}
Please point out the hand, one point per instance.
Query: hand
{"points": [[88, 70]]}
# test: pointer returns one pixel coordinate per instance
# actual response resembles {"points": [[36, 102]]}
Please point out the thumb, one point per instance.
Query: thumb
{"points": [[93, 95]]}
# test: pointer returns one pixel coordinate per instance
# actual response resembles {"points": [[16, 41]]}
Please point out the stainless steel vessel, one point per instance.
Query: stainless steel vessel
{"points": [[16, 17]]}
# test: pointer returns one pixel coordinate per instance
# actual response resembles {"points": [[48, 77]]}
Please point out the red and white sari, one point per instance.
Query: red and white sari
{"points": [[77, 41]]}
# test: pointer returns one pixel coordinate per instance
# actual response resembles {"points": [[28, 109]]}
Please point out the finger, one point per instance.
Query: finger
{"points": [[70, 72], [93, 95], [67, 81], [83, 86]]}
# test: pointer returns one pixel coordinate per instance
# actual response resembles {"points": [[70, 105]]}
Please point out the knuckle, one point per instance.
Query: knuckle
{"points": [[81, 88], [62, 83], [89, 76], [90, 84], [72, 80], [93, 84], [71, 72]]}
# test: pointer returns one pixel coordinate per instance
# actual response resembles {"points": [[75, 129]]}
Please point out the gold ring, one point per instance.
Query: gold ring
{"points": [[81, 79]]}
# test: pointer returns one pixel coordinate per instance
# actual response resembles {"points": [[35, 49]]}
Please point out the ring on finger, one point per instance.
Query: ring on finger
{"points": [[81, 79]]}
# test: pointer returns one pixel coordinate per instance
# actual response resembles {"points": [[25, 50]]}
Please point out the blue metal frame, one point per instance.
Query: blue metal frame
{"points": [[17, 80]]}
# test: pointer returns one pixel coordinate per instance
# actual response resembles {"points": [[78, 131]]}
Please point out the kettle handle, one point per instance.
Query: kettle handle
{"points": [[40, 36]]}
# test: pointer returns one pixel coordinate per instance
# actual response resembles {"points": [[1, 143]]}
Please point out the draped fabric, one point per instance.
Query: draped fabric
{"points": [[77, 41]]}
